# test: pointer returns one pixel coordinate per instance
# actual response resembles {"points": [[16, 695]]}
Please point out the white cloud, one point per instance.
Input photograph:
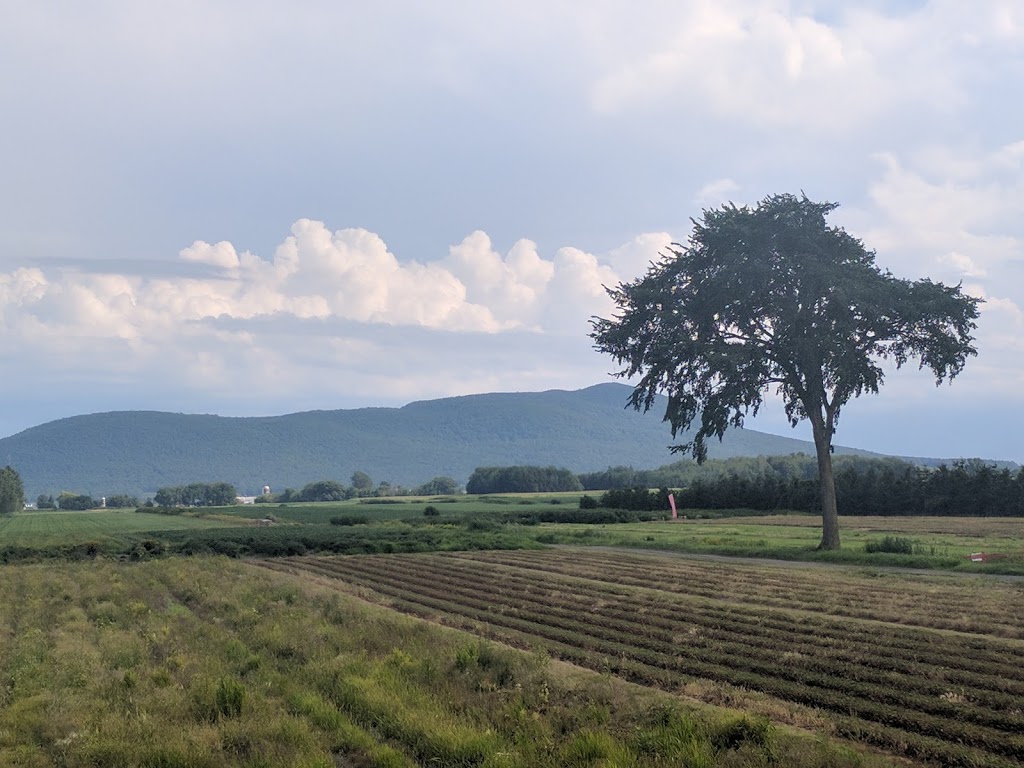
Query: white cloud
{"points": [[715, 193], [257, 315], [953, 216], [221, 254]]}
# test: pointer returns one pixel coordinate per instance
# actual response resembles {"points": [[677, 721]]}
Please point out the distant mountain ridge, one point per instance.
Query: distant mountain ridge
{"points": [[139, 451]]}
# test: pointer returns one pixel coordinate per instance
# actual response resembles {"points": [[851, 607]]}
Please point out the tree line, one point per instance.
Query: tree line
{"points": [[361, 486], [197, 495], [522, 479], [966, 489]]}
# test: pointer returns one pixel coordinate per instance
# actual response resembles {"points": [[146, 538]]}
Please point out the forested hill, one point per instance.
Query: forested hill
{"points": [[140, 451]]}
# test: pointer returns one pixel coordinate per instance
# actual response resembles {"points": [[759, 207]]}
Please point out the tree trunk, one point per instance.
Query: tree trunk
{"points": [[829, 510]]}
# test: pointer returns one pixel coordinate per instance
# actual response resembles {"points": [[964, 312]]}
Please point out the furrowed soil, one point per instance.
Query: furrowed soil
{"points": [[926, 667]]}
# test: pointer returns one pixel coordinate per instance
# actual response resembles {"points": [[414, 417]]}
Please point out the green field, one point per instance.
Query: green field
{"points": [[212, 662], [938, 542], [50, 528], [930, 668], [267, 657], [505, 521]]}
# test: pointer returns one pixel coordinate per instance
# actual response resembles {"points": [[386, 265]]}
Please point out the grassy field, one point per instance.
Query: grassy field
{"points": [[938, 542], [50, 528], [212, 662], [929, 668], [502, 522]]}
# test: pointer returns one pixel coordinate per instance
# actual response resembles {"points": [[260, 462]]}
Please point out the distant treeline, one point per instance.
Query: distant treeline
{"points": [[361, 487], [871, 487], [522, 479], [197, 495]]}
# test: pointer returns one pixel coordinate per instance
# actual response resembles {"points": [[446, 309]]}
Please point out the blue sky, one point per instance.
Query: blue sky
{"points": [[252, 208]]}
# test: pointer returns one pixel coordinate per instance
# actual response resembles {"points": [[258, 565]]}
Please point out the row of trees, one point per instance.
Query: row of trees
{"points": [[361, 487], [197, 495], [522, 479], [82, 501], [967, 488]]}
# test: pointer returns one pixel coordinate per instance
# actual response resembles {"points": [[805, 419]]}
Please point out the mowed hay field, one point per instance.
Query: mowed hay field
{"points": [[39, 529], [938, 542], [930, 668], [204, 661]]}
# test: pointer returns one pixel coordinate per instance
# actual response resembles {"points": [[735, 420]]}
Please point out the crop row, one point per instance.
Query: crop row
{"points": [[905, 602], [969, 654], [651, 656], [752, 641]]}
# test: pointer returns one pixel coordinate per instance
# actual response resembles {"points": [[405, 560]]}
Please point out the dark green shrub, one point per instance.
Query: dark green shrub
{"points": [[431, 511], [588, 502], [742, 730], [899, 545], [350, 520]]}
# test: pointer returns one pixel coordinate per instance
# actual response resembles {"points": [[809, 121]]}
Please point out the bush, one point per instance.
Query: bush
{"points": [[160, 510], [350, 520], [899, 545], [431, 511], [588, 502]]}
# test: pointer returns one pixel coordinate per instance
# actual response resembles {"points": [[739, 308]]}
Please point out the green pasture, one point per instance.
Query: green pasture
{"points": [[42, 529], [504, 521], [397, 508], [796, 537]]}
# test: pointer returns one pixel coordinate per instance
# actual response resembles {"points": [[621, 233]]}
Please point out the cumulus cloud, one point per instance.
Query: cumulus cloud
{"points": [[714, 193], [948, 211], [263, 315], [808, 68]]}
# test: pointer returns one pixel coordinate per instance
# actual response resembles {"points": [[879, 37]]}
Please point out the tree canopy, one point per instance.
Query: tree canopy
{"points": [[522, 479], [772, 297], [12, 492], [197, 495]]}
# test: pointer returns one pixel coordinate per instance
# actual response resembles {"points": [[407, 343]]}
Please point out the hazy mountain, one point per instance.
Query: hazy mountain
{"points": [[140, 451]]}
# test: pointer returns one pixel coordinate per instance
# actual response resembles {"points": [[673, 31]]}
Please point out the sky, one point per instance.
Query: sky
{"points": [[257, 208]]}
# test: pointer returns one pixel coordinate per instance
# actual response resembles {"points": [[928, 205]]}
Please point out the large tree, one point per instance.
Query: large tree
{"points": [[12, 492], [773, 298]]}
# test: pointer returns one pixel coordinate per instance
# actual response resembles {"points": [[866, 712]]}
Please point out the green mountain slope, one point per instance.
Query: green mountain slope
{"points": [[140, 451]]}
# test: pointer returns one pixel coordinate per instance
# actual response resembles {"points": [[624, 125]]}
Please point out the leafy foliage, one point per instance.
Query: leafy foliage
{"points": [[12, 492], [439, 486], [197, 495], [773, 298], [362, 482], [863, 487], [77, 502], [122, 501], [323, 490], [522, 480]]}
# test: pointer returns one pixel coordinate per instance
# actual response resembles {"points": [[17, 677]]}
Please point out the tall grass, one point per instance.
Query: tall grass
{"points": [[209, 662]]}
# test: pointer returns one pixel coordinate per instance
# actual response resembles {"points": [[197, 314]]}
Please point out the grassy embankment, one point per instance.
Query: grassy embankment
{"points": [[211, 662]]}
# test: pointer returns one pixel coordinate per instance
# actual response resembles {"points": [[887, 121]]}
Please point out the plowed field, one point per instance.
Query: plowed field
{"points": [[931, 668]]}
